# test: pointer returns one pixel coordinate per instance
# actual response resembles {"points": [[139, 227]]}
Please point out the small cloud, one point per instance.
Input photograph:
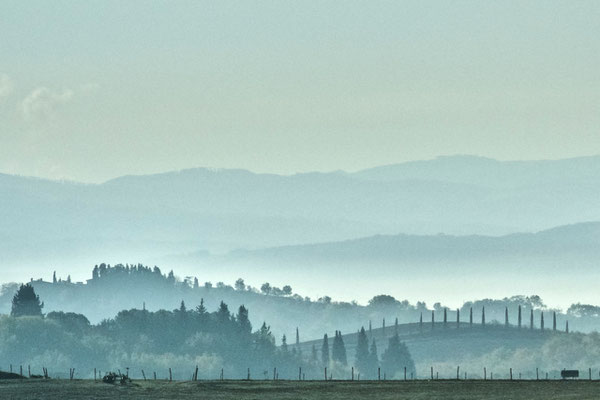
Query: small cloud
{"points": [[6, 86], [42, 102]]}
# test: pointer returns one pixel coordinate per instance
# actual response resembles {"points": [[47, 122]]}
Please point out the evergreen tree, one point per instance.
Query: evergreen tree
{"points": [[223, 315], [297, 337], [396, 357], [471, 316], [445, 316], [338, 349], [457, 317], [483, 316], [531, 320], [554, 321], [506, 317], [243, 322], [396, 325], [373, 359], [284, 346], [325, 351], [542, 321], [519, 317], [200, 309], [54, 274], [26, 302], [362, 352], [196, 283]]}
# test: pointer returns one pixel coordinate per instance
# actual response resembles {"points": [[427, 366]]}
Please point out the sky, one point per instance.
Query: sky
{"points": [[97, 89]]}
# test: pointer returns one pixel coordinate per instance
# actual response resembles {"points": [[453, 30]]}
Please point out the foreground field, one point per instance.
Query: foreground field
{"points": [[239, 390]]}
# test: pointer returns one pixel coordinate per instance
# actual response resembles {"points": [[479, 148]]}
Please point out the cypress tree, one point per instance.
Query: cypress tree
{"points": [[457, 317], [396, 325], [421, 321], [362, 352], [554, 321], [542, 321], [483, 316], [325, 351], [383, 326], [531, 320], [445, 316], [432, 319], [370, 329], [284, 346], [26, 303], [567, 327], [338, 350], [519, 317], [471, 316], [373, 359], [297, 337], [506, 317]]}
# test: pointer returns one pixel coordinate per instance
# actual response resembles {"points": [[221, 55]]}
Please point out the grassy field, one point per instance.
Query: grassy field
{"points": [[240, 390]]}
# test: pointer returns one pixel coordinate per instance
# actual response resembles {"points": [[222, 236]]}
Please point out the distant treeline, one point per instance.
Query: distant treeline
{"points": [[178, 339], [114, 288]]}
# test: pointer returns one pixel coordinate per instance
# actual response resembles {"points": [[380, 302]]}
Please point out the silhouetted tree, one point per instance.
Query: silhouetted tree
{"points": [[554, 321], [286, 290], [240, 285], [396, 357], [26, 302], [531, 320], [373, 359], [325, 351], [362, 352], [338, 350], [265, 288], [519, 317]]}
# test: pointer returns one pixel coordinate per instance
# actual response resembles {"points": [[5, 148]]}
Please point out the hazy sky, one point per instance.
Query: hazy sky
{"points": [[90, 90]]}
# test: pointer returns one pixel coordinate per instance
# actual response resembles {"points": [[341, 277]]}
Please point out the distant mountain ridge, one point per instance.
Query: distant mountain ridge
{"points": [[141, 218]]}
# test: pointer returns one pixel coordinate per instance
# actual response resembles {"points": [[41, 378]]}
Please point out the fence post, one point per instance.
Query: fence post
{"points": [[94, 374], [458, 372], [29, 370], [325, 373], [511, 374], [378, 373], [404, 373], [222, 375], [352, 373], [484, 374], [170, 375], [431, 373], [299, 373]]}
